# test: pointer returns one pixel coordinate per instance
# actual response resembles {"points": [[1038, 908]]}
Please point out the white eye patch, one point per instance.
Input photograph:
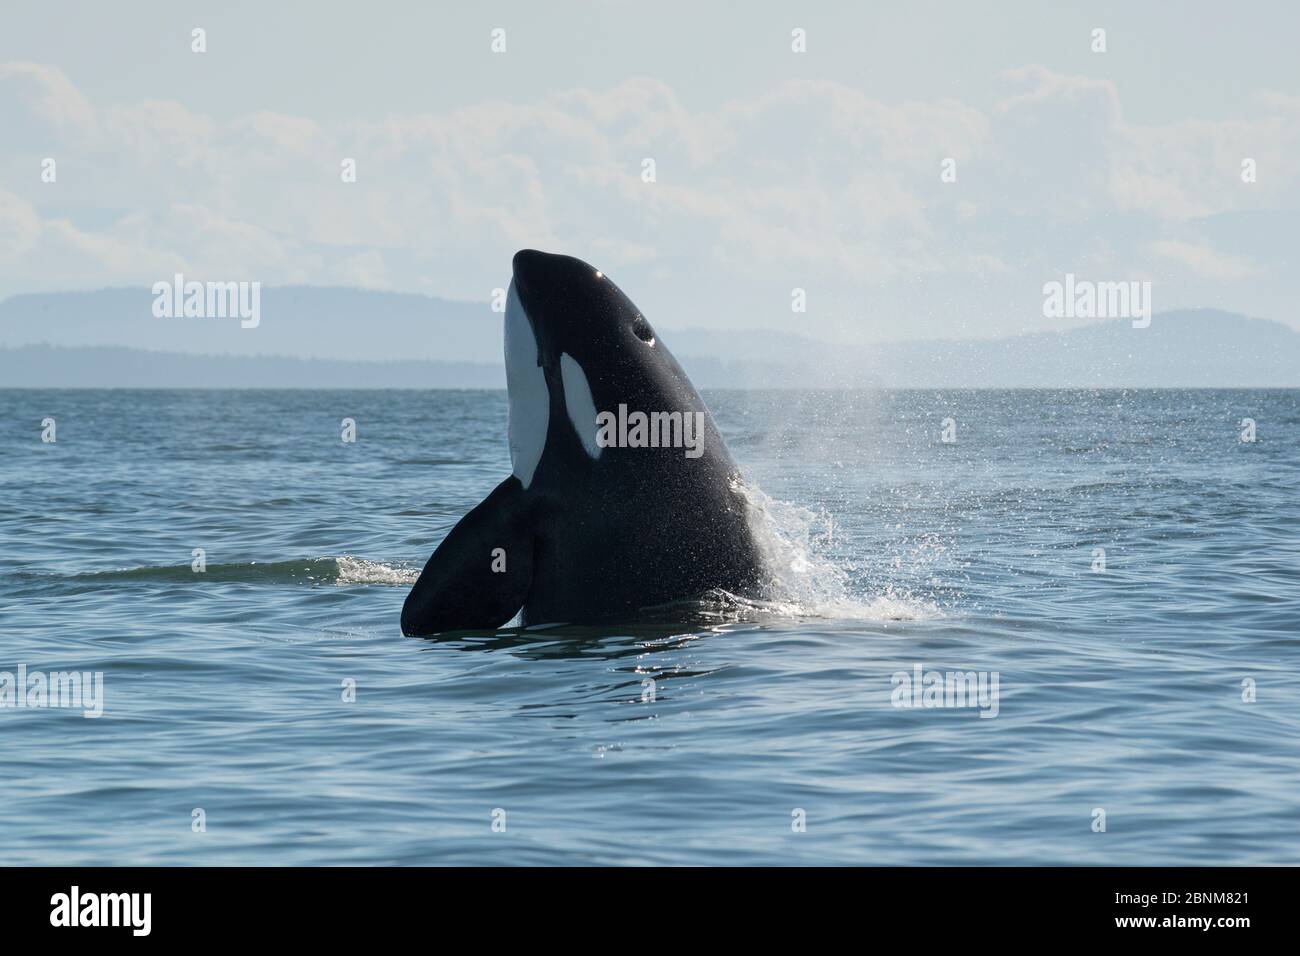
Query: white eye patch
{"points": [[581, 406], [530, 400]]}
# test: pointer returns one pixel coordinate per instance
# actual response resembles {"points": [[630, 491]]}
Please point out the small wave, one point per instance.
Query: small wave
{"points": [[344, 570], [360, 571]]}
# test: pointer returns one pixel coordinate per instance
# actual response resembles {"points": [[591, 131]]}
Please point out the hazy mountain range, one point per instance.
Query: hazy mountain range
{"points": [[348, 338]]}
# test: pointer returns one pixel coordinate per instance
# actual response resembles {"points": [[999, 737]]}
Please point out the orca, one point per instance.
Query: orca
{"points": [[623, 495]]}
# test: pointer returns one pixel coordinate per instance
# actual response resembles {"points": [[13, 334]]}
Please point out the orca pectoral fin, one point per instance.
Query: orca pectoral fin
{"points": [[479, 576]]}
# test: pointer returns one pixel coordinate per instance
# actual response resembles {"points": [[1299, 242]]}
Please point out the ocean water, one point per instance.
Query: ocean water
{"points": [[1161, 690]]}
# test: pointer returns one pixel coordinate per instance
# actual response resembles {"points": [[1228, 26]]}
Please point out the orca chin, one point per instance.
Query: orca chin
{"points": [[623, 495]]}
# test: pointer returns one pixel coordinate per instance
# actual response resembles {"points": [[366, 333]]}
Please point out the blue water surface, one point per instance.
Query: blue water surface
{"points": [[1122, 561]]}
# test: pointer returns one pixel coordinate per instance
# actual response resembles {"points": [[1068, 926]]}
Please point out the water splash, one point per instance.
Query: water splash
{"points": [[805, 579]]}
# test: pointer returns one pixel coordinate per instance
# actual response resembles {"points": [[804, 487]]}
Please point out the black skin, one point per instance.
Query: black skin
{"points": [[594, 540]]}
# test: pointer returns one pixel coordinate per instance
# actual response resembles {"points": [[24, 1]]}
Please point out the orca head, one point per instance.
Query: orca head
{"points": [[575, 344], [573, 305]]}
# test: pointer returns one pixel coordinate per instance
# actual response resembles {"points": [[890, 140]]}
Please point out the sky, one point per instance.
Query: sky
{"points": [[774, 170]]}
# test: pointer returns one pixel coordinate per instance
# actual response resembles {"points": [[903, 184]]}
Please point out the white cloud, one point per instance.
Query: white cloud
{"points": [[20, 226], [809, 178], [1203, 261], [48, 94], [365, 270]]}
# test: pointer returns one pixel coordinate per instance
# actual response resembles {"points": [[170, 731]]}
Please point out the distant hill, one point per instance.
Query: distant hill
{"points": [[1200, 348], [304, 321], [111, 339], [44, 366]]}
